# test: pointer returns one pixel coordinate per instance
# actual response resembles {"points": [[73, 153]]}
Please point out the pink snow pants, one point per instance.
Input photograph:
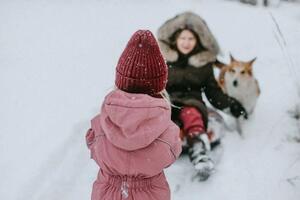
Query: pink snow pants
{"points": [[108, 187]]}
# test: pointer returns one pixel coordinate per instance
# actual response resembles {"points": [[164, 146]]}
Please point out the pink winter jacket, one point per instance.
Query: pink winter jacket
{"points": [[132, 140]]}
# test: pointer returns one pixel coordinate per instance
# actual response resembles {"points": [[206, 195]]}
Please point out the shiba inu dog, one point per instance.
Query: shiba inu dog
{"points": [[237, 80]]}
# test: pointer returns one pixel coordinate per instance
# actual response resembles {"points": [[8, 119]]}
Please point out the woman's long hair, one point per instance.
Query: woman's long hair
{"points": [[173, 44]]}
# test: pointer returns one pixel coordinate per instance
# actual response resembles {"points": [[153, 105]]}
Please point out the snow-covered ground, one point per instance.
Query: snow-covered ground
{"points": [[57, 61]]}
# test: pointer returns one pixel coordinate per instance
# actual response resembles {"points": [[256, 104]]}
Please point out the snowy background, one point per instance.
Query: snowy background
{"points": [[57, 61]]}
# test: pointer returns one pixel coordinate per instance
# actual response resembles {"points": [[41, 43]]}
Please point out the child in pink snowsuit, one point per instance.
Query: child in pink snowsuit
{"points": [[133, 138]]}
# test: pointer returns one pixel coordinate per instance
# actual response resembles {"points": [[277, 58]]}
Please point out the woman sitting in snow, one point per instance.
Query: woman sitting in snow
{"points": [[190, 50]]}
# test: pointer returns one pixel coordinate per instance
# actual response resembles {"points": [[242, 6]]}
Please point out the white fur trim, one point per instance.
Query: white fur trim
{"points": [[193, 21], [168, 53], [202, 58]]}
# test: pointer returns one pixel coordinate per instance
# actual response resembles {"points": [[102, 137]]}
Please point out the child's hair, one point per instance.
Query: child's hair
{"points": [[166, 97], [164, 94]]}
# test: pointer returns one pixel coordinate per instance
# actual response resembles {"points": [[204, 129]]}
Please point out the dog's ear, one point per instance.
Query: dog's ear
{"points": [[249, 66], [252, 61], [232, 58], [219, 64]]}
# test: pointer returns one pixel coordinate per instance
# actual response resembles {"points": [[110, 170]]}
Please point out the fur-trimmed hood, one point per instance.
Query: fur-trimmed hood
{"points": [[198, 25]]}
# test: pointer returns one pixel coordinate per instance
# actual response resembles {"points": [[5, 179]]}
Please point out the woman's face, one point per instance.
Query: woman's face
{"points": [[186, 42]]}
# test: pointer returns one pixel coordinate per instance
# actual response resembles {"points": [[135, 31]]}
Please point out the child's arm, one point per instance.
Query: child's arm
{"points": [[172, 139], [90, 137], [175, 141]]}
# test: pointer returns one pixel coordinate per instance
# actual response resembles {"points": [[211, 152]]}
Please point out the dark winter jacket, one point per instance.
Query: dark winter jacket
{"points": [[186, 84], [191, 75]]}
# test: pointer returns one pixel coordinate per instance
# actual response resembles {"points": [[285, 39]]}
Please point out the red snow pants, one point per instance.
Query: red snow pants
{"points": [[192, 121]]}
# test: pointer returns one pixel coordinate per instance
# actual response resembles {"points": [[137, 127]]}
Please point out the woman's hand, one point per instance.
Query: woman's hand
{"points": [[237, 109]]}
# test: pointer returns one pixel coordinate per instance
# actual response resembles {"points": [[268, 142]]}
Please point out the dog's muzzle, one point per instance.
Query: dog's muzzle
{"points": [[235, 83]]}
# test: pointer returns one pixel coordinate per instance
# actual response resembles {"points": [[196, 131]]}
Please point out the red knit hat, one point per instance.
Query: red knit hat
{"points": [[141, 67]]}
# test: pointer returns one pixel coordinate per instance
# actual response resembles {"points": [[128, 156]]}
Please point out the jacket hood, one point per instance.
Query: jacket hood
{"points": [[133, 121], [196, 24], [193, 22]]}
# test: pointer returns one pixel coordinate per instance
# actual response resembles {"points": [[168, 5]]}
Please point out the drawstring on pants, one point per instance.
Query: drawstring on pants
{"points": [[124, 189], [124, 184]]}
